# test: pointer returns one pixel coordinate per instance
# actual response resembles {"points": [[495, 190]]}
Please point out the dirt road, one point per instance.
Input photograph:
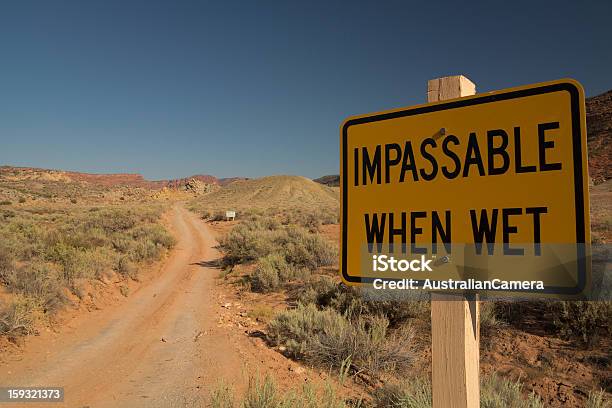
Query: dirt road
{"points": [[160, 348]]}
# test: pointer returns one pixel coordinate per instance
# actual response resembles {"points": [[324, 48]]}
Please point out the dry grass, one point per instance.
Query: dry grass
{"points": [[495, 392], [598, 399], [264, 393]]}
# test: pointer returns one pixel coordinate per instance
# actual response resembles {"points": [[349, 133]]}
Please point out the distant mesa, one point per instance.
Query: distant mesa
{"points": [[193, 183]]}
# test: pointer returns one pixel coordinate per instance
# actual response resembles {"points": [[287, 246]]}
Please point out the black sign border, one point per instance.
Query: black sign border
{"points": [[569, 87]]}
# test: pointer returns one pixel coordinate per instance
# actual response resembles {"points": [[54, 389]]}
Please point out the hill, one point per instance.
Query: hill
{"points": [[271, 192], [333, 180]]}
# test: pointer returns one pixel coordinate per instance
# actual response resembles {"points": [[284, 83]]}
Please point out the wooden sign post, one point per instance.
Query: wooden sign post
{"points": [[455, 320]]}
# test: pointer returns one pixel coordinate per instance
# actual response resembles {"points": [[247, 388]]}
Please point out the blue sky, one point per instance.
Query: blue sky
{"points": [[174, 88]]}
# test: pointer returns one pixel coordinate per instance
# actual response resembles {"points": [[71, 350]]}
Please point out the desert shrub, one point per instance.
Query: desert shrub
{"points": [[308, 250], [268, 273], [69, 259], [77, 263], [38, 281], [159, 236], [113, 220], [311, 219], [98, 261], [328, 339], [126, 267], [7, 260], [257, 238], [122, 243], [264, 278], [16, 317], [489, 320], [495, 392], [364, 346], [22, 200], [144, 249], [85, 239], [272, 271], [245, 244], [319, 290], [5, 202], [297, 327], [583, 319], [353, 303]]}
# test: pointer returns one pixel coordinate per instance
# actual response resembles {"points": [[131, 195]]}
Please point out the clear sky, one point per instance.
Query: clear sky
{"points": [[252, 88]]}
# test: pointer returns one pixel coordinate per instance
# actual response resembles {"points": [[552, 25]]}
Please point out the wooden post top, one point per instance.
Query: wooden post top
{"points": [[449, 87]]}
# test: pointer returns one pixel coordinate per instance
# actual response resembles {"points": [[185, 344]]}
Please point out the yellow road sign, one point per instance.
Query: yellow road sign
{"points": [[493, 182]]}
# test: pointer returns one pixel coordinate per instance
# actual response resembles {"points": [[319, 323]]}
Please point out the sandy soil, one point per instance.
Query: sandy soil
{"points": [[161, 347]]}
